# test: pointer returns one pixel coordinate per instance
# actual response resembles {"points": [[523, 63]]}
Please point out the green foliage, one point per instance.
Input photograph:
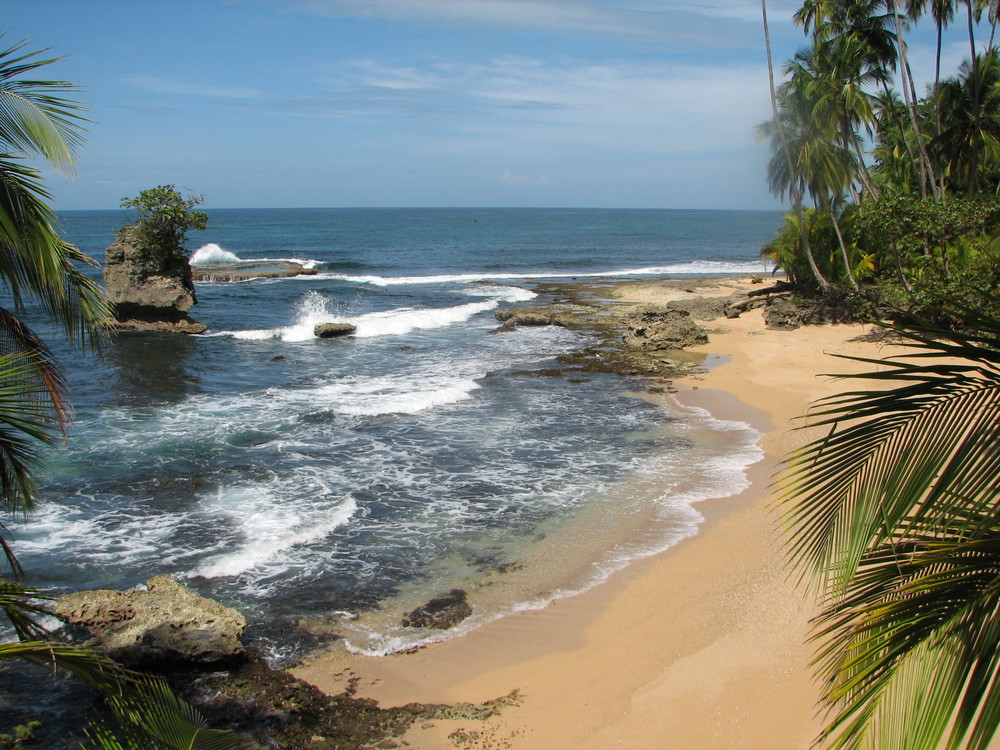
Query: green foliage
{"points": [[894, 516], [24, 734], [165, 217], [785, 250]]}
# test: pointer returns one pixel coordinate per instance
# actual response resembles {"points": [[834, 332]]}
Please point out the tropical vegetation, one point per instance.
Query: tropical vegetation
{"points": [[893, 514], [894, 195], [38, 267], [164, 218]]}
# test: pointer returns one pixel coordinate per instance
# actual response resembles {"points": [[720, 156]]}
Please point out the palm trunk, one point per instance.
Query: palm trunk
{"points": [[926, 170], [976, 113], [795, 190], [840, 241]]}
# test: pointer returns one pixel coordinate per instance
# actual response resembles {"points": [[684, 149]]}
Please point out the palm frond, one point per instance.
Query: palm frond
{"points": [[36, 263], [146, 714], [18, 603], [33, 119], [893, 514]]}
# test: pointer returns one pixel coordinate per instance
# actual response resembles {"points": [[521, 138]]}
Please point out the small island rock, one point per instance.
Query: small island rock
{"points": [[148, 293], [165, 625]]}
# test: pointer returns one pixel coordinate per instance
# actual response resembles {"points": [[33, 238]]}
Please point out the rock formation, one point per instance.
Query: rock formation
{"points": [[440, 613], [146, 292], [658, 329], [333, 330], [247, 270], [165, 625]]}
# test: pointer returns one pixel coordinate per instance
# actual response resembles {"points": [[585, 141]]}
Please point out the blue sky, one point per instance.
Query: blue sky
{"points": [[282, 103]]}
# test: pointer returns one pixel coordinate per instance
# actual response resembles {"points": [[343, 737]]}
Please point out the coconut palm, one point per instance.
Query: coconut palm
{"points": [[969, 105], [894, 516], [780, 140]]}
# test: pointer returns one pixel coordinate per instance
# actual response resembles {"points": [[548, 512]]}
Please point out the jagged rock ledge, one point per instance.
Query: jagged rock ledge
{"points": [[164, 625], [248, 270]]}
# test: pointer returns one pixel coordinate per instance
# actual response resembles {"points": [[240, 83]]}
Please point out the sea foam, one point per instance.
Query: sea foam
{"points": [[315, 309]]}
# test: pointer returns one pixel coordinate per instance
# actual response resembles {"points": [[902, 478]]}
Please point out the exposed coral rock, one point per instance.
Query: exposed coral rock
{"points": [[658, 329], [165, 625]]}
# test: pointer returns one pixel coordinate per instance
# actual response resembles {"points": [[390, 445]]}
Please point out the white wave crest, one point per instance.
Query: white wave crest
{"points": [[406, 319], [271, 529], [211, 254], [315, 309], [380, 400], [693, 268]]}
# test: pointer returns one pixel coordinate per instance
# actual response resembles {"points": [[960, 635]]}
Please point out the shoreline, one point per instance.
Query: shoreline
{"points": [[702, 645]]}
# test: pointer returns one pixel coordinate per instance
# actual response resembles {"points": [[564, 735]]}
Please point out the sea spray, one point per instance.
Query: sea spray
{"points": [[212, 254]]}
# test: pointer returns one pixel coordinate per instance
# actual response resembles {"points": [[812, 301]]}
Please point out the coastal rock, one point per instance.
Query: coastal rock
{"points": [[333, 330], [247, 270], [567, 316], [783, 313], [148, 293], [658, 329], [440, 613], [165, 625]]}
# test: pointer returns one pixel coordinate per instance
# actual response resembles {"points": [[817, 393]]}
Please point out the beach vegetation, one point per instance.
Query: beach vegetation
{"points": [[909, 185], [893, 515], [165, 216], [40, 270]]}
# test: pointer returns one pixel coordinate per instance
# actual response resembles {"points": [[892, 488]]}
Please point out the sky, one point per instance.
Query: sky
{"points": [[349, 103]]}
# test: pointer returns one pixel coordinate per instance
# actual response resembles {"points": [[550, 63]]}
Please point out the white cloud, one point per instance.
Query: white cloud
{"points": [[617, 105]]}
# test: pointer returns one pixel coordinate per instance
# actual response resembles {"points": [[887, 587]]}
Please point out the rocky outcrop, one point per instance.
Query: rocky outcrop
{"points": [[165, 625], [659, 329], [333, 330], [148, 293], [568, 316], [248, 270], [440, 613]]}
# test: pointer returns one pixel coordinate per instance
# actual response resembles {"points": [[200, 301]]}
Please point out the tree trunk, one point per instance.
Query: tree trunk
{"points": [[976, 113], [796, 190], [926, 170], [840, 241]]}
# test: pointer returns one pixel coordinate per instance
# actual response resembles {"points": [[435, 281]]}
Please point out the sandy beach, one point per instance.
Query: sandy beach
{"points": [[702, 646]]}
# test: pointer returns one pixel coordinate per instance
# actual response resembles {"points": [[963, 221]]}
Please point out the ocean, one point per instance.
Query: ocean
{"points": [[326, 487]]}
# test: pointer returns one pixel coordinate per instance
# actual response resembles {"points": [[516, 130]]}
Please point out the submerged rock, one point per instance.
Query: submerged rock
{"points": [[165, 625], [440, 613], [333, 330]]}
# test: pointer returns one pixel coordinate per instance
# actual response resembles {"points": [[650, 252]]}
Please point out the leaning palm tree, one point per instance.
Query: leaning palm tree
{"points": [[894, 516], [38, 266], [781, 140]]}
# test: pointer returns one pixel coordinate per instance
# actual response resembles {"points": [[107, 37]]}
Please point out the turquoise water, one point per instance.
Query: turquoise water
{"points": [[327, 486]]}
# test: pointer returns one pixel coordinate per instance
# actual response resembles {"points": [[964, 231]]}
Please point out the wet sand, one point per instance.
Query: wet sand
{"points": [[701, 646]]}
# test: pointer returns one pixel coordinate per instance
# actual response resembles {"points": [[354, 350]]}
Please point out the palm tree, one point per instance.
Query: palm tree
{"points": [[794, 186], [894, 516], [37, 265], [811, 111], [970, 129]]}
